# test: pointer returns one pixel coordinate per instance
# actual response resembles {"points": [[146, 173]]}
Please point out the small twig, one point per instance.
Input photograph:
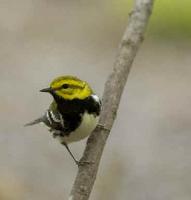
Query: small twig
{"points": [[114, 86]]}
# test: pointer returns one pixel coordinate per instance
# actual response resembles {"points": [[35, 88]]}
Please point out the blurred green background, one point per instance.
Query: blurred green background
{"points": [[171, 18], [148, 155]]}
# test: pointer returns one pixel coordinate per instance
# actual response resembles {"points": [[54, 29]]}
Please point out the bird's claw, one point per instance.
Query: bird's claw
{"points": [[101, 126], [81, 163]]}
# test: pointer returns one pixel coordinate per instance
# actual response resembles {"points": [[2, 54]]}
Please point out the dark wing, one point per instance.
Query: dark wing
{"points": [[51, 118]]}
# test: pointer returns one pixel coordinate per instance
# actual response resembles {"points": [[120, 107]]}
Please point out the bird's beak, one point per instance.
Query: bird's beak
{"points": [[49, 90]]}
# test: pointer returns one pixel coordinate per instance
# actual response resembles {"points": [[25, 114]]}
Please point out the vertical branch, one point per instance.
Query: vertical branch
{"points": [[114, 86]]}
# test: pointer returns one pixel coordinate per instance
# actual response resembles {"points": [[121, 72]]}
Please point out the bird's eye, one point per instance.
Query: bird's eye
{"points": [[65, 86]]}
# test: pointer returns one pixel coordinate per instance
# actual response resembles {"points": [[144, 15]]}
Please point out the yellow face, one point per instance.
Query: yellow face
{"points": [[69, 87]]}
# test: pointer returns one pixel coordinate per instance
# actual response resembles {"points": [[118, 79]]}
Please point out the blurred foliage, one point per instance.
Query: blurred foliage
{"points": [[170, 19]]}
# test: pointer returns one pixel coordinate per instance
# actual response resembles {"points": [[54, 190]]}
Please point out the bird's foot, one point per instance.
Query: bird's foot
{"points": [[101, 126], [81, 163]]}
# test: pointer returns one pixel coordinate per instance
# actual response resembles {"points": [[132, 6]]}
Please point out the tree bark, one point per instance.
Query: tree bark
{"points": [[114, 86]]}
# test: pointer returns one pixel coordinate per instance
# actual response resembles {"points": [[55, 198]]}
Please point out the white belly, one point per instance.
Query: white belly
{"points": [[88, 124]]}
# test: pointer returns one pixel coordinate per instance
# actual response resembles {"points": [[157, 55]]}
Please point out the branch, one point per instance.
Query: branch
{"points": [[114, 86]]}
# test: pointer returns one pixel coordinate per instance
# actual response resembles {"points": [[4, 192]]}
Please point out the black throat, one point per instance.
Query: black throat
{"points": [[77, 106], [73, 110]]}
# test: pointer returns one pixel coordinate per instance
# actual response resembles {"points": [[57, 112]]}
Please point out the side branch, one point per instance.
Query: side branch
{"points": [[114, 86]]}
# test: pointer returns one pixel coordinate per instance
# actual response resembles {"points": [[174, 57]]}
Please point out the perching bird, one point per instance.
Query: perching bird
{"points": [[74, 112]]}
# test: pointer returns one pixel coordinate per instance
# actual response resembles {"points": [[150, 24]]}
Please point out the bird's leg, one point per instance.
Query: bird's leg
{"points": [[76, 161], [57, 133]]}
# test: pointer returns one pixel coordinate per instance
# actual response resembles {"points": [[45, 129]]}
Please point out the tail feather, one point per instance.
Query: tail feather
{"points": [[36, 121]]}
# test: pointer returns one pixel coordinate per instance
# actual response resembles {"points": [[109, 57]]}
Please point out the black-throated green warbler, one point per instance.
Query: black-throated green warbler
{"points": [[74, 112]]}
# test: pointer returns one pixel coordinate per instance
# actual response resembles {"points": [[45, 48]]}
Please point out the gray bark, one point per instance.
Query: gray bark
{"points": [[114, 86]]}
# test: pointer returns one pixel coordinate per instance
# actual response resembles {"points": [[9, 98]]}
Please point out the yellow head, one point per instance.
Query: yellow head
{"points": [[69, 87]]}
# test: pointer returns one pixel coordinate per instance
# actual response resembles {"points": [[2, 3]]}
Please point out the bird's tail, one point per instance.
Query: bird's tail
{"points": [[36, 121]]}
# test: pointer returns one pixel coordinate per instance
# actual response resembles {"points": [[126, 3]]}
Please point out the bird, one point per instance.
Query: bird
{"points": [[74, 112]]}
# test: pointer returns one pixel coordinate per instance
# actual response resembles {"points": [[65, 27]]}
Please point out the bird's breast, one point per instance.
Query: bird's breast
{"points": [[87, 125]]}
